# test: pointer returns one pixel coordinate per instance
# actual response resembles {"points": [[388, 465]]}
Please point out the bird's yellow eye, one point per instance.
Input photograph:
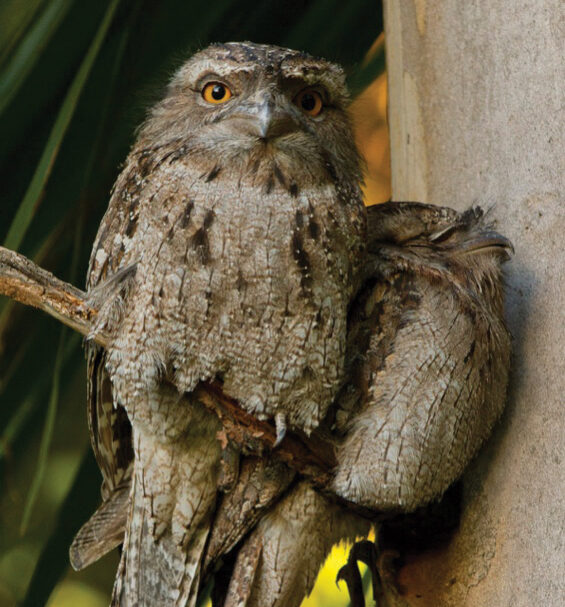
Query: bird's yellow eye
{"points": [[309, 101], [216, 92]]}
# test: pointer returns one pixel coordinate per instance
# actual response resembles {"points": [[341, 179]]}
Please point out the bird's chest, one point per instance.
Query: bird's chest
{"points": [[249, 289]]}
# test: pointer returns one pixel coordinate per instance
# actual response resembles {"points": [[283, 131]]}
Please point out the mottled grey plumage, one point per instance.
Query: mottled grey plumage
{"points": [[429, 356], [245, 224], [408, 424], [235, 249]]}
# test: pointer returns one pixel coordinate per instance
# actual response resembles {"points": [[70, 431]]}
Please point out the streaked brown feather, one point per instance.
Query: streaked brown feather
{"points": [[103, 532]]}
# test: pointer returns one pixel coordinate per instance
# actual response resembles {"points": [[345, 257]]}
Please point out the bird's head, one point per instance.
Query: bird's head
{"points": [[251, 107]]}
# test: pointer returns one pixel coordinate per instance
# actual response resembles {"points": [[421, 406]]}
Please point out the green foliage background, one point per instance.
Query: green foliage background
{"points": [[75, 80]]}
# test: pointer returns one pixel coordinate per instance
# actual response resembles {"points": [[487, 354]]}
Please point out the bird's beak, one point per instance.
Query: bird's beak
{"points": [[265, 119], [271, 121], [488, 240]]}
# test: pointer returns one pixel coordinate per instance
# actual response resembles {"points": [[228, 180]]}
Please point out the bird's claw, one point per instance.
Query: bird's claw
{"points": [[280, 426], [366, 552]]}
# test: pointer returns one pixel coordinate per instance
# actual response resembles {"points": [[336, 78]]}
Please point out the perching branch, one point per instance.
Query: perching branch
{"points": [[29, 284], [313, 456]]}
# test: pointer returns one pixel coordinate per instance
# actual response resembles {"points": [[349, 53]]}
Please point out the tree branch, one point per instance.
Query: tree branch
{"points": [[313, 456], [24, 281]]}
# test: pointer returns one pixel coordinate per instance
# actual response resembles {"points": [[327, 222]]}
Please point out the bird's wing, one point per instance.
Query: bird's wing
{"points": [[110, 434], [109, 426]]}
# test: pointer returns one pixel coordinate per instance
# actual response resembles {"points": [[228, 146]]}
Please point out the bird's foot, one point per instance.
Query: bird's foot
{"points": [[379, 565]]}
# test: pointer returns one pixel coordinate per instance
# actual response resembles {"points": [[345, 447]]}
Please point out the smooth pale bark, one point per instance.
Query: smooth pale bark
{"points": [[476, 117]]}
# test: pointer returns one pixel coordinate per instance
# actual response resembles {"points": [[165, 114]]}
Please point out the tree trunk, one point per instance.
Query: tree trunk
{"points": [[476, 96]]}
